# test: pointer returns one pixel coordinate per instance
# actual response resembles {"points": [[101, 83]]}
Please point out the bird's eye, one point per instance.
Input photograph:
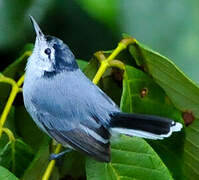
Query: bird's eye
{"points": [[47, 51]]}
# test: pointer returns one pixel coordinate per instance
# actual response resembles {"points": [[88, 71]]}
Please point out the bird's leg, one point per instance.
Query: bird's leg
{"points": [[54, 156]]}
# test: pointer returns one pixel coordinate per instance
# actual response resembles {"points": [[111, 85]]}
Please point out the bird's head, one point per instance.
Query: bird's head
{"points": [[50, 54]]}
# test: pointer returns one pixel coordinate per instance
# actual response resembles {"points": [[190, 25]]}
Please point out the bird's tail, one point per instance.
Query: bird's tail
{"points": [[145, 126]]}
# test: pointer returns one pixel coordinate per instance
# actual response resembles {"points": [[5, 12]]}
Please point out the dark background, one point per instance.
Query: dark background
{"points": [[170, 27]]}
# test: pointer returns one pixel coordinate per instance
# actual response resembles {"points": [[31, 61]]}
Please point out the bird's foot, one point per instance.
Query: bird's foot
{"points": [[54, 156]]}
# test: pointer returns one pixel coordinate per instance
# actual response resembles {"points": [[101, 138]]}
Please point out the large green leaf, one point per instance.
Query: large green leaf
{"points": [[18, 118], [16, 157], [82, 64], [108, 81], [71, 160], [154, 102], [111, 87], [132, 158], [6, 175], [91, 69], [181, 90], [39, 164], [10, 121], [17, 68], [14, 70], [183, 93], [4, 94], [191, 151], [31, 134]]}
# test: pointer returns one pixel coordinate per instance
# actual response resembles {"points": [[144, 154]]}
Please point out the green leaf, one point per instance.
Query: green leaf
{"points": [[6, 174], [91, 69], [154, 102], [132, 158], [191, 151], [39, 164], [16, 157], [183, 92], [82, 64], [109, 80], [107, 84], [4, 94], [71, 160], [10, 121], [16, 69], [31, 134]]}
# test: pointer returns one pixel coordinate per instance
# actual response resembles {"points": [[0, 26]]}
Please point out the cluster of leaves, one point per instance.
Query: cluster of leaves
{"points": [[150, 84]]}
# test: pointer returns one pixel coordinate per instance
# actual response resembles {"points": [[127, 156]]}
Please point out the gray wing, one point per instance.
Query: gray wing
{"points": [[76, 112], [80, 138]]}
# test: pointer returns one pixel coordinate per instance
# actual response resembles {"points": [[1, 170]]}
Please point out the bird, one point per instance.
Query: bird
{"points": [[75, 112]]}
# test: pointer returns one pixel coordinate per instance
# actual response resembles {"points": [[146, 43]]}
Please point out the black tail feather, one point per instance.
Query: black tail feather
{"points": [[144, 124]]}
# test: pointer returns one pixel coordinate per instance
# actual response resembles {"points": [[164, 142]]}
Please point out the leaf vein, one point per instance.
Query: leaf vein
{"points": [[195, 170], [189, 140], [191, 127], [139, 167], [190, 154], [124, 150]]}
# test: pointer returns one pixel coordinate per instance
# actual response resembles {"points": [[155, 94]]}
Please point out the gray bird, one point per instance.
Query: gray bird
{"points": [[67, 106]]}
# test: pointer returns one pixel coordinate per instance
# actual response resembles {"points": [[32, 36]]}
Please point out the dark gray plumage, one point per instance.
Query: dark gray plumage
{"points": [[71, 109]]}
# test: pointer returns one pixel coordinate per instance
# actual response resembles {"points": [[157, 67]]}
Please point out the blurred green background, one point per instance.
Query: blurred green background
{"points": [[170, 27]]}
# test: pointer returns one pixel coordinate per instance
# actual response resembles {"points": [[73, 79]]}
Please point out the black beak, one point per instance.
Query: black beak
{"points": [[38, 31]]}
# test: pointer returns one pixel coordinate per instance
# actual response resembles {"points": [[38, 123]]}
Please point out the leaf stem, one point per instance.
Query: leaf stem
{"points": [[7, 80], [9, 133], [100, 72], [118, 64], [8, 105], [51, 164], [105, 63], [121, 46], [21, 80], [100, 56]]}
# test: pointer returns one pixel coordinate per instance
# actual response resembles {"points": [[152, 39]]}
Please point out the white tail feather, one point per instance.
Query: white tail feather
{"points": [[147, 135], [177, 127]]}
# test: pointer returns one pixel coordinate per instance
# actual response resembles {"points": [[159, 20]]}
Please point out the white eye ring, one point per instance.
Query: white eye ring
{"points": [[47, 51]]}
